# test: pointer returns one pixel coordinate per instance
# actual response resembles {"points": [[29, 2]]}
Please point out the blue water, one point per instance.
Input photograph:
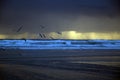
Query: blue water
{"points": [[60, 44]]}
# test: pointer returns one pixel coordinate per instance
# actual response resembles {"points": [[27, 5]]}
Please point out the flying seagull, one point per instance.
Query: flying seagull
{"points": [[19, 29], [44, 36], [42, 27], [40, 35], [51, 38], [59, 33]]}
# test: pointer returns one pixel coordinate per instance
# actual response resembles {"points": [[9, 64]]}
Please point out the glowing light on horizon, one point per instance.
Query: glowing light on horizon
{"points": [[3, 36], [65, 35], [72, 35]]}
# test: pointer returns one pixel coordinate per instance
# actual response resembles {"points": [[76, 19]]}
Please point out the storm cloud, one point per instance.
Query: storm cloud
{"points": [[59, 15]]}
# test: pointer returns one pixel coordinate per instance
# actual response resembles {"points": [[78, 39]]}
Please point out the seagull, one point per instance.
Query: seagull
{"points": [[59, 33], [44, 36], [51, 37], [42, 27], [40, 35], [19, 29]]}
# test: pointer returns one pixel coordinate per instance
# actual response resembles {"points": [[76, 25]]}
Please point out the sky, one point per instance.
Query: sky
{"points": [[81, 16]]}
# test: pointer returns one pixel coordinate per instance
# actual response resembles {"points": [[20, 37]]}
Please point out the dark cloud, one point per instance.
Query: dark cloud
{"points": [[63, 15], [62, 5], [116, 4]]}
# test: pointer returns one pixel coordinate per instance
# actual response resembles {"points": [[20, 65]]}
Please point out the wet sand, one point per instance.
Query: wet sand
{"points": [[60, 64]]}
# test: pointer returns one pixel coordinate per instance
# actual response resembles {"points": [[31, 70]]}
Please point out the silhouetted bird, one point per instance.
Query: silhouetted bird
{"points": [[44, 36], [19, 29], [51, 38], [42, 27], [59, 33], [40, 35]]}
